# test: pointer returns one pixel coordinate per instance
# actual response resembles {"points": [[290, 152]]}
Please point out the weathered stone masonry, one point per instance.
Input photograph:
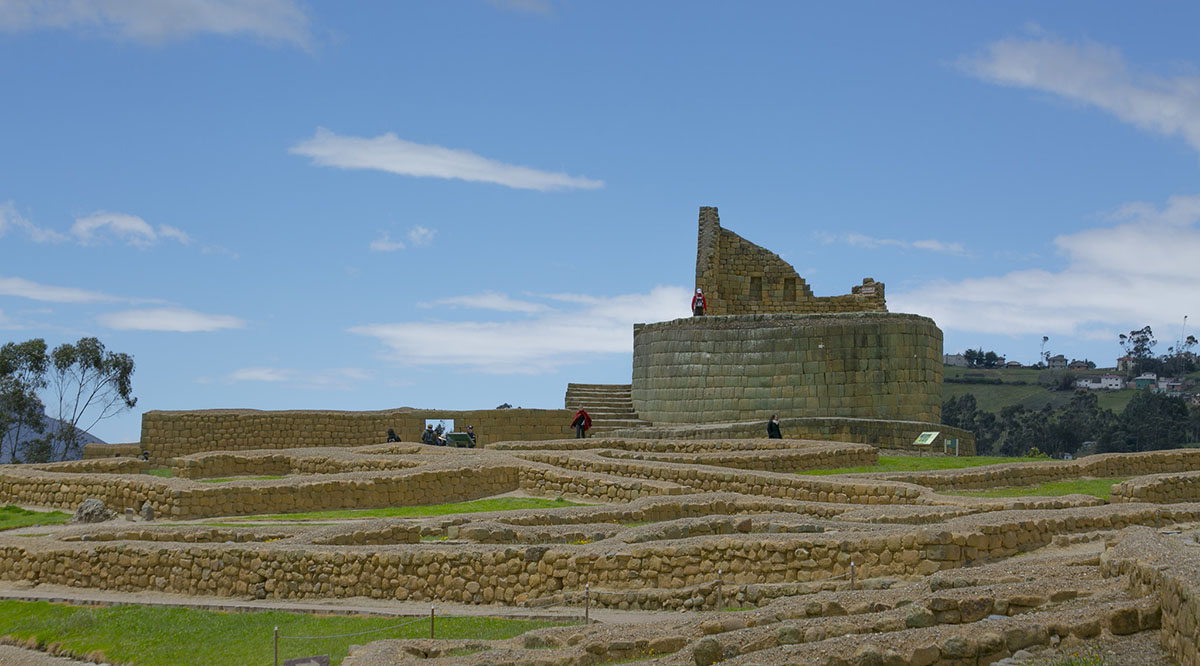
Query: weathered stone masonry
{"points": [[874, 365], [739, 277]]}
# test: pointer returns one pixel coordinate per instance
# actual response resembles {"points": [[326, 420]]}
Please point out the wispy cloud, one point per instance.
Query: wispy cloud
{"points": [[584, 328], [385, 244], [490, 300], [14, 286], [158, 21], [1097, 75], [130, 229], [870, 242], [11, 220], [395, 155], [331, 379], [1139, 271], [178, 320], [418, 236]]}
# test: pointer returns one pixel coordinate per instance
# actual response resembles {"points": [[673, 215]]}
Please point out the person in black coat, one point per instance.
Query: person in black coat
{"points": [[773, 428], [392, 436]]}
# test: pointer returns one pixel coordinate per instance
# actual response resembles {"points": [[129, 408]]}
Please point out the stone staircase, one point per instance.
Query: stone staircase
{"points": [[609, 405]]}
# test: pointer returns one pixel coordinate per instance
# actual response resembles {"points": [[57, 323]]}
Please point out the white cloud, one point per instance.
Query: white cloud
{"points": [[1140, 271], [419, 236], [131, 229], [490, 300], [1097, 75], [392, 154], [13, 286], [260, 374], [385, 244], [157, 21], [177, 320], [869, 242], [10, 219], [593, 327], [334, 378]]}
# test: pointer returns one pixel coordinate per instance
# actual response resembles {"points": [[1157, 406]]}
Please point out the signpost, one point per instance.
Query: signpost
{"points": [[925, 440]]}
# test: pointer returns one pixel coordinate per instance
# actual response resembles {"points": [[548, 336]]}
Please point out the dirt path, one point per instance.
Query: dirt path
{"points": [[15, 656]]}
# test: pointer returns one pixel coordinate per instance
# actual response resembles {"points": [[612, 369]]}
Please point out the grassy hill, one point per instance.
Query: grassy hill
{"points": [[1031, 388]]}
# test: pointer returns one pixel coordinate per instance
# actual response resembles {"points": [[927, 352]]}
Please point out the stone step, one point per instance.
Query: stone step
{"points": [[608, 387], [613, 405]]}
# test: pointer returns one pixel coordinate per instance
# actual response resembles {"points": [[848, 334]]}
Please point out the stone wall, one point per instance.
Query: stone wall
{"points": [[728, 369], [1158, 487], [481, 573], [739, 277], [168, 434], [1182, 486], [1167, 569], [892, 435]]}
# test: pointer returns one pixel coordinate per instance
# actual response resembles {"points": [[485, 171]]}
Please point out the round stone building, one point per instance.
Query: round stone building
{"points": [[768, 346]]}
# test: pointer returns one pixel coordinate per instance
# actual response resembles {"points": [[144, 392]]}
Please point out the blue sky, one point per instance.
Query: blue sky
{"points": [[281, 204]]}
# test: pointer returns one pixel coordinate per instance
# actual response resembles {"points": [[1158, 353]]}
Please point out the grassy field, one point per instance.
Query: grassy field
{"points": [[474, 506], [921, 464], [157, 636], [1095, 487], [13, 516]]}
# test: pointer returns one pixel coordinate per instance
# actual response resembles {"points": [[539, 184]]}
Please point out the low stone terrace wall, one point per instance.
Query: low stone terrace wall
{"points": [[96, 466], [701, 479], [185, 499], [271, 463], [487, 574], [1166, 568], [894, 435], [1034, 473], [1160, 488], [795, 460]]}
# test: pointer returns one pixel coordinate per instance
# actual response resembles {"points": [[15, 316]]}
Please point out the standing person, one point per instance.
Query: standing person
{"points": [[699, 304], [471, 434], [773, 428], [428, 437], [581, 423]]}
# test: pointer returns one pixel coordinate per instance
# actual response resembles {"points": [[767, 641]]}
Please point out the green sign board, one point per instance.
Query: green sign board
{"points": [[926, 438]]}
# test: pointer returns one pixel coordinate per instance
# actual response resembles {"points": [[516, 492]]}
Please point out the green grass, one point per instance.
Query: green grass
{"points": [[13, 516], [157, 636], [164, 472], [1030, 395], [1096, 487], [474, 506], [921, 464], [239, 478]]}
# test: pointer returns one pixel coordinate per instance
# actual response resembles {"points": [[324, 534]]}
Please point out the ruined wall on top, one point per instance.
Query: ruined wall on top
{"points": [[739, 277]]}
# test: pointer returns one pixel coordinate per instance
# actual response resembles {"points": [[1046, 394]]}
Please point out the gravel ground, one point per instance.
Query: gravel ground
{"points": [[1141, 649], [15, 656]]}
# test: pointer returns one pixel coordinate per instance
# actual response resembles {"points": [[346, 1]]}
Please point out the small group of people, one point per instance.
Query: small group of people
{"points": [[435, 436]]}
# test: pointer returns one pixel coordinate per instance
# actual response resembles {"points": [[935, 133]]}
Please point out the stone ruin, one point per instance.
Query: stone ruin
{"points": [[739, 556]]}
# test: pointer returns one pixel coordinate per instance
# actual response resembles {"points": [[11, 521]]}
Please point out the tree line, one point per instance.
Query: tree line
{"points": [[1151, 421], [81, 383]]}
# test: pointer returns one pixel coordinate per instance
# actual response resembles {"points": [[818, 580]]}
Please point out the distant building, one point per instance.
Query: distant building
{"points": [[1125, 364], [1105, 383], [1013, 364], [1079, 365], [1145, 381], [955, 360], [1058, 362]]}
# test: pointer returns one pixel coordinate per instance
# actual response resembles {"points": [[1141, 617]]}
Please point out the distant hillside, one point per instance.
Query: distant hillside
{"points": [[1031, 388], [51, 423]]}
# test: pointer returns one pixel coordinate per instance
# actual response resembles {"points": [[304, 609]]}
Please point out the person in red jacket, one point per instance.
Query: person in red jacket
{"points": [[581, 423], [699, 305]]}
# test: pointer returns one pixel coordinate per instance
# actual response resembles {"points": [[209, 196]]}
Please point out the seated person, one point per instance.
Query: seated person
{"points": [[392, 436]]}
